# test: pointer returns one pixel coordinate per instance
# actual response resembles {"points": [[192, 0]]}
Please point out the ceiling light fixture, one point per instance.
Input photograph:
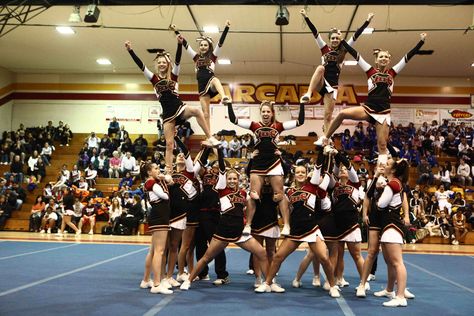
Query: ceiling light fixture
{"points": [[92, 14], [350, 62], [65, 30], [282, 16], [224, 61], [75, 16], [103, 61], [368, 30], [211, 29]]}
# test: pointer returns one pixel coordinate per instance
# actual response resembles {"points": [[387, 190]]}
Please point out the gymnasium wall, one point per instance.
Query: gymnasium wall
{"points": [[85, 102], [6, 80]]}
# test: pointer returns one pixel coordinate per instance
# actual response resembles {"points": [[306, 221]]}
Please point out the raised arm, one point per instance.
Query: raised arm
{"points": [[362, 63], [360, 30], [242, 123], [189, 162], [295, 123], [148, 74], [321, 43], [222, 39], [402, 63], [177, 61], [201, 159], [222, 181], [183, 41]]}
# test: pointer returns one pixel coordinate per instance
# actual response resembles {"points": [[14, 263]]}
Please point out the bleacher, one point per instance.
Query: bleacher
{"points": [[69, 155]]}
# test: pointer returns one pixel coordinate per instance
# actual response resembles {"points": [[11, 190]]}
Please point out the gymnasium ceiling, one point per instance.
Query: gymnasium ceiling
{"points": [[255, 45]]}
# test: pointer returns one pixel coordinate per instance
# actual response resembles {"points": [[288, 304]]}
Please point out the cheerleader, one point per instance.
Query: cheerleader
{"points": [[175, 112], [266, 159], [377, 107], [182, 194], [209, 216], [345, 201], [233, 201], [209, 85], [306, 199], [265, 227], [157, 196], [393, 227], [372, 217], [325, 79]]}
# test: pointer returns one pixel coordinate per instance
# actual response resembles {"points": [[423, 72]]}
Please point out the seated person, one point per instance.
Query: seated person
{"points": [[114, 127]]}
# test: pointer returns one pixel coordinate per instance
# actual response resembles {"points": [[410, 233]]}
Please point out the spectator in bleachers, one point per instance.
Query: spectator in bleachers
{"points": [[5, 210], [106, 145], [101, 164], [5, 154], [36, 213], [91, 175], [75, 175], [444, 222], [224, 145], [66, 136], [49, 220], [157, 157], [81, 190], [46, 153], [463, 147], [140, 146], [32, 163], [346, 140], [93, 141], [115, 212], [40, 171], [88, 216], [121, 135], [358, 139], [115, 165], [458, 202], [425, 174], [50, 129], [443, 196], [128, 163], [247, 145], [160, 144], [185, 131], [77, 209], [127, 181], [459, 225], [127, 146], [18, 149], [431, 159], [362, 172], [444, 175], [16, 169], [450, 146], [84, 156], [416, 206], [59, 131], [234, 147], [61, 182], [114, 127], [463, 174], [134, 215]]}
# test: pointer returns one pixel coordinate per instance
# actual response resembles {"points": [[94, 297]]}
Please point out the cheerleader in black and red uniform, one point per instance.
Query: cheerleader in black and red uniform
{"points": [[345, 202], [182, 193], [209, 215], [175, 112], [377, 107], [393, 227], [265, 227], [233, 201], [306, 199], [205, 62], [157, 196], [325, 79], [266, 160]]}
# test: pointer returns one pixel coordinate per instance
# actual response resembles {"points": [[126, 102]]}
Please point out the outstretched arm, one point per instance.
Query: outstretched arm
{"points": [[222, 181], [177, 61], [402, 63], [242, 123], [148, 74], [313, 29], [295, 123], [183, 41], [189, 161], [222, 39], [362, 63], [360, 30]]}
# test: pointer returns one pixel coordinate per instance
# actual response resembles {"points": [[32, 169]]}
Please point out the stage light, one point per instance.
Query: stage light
{"points": [[65, 30], [224, 61], [92, 14], [350, 62], [103, 61], [211, 29], [75, 16], [282, 16]]}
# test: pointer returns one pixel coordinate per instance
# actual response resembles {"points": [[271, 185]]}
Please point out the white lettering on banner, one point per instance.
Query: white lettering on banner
{"points": [[242, 112], [154, 112], [128, 113], [402, 116]]}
